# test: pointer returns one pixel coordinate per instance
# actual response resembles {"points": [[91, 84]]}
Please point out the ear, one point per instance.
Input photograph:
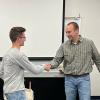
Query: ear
{"points": [[77, 31], [17, 39]]}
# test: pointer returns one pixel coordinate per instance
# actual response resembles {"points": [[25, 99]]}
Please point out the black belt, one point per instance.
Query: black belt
{"points": [[77, 75]]}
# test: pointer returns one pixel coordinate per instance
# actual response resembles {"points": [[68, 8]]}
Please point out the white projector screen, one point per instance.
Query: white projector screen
{"points": [[42, 20]]}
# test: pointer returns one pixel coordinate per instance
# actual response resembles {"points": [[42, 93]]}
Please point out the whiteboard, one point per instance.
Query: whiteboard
{"points": [[42, 20]]}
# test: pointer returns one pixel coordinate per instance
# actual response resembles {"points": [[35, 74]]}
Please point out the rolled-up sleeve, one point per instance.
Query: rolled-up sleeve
{"points": [[58, 58]]}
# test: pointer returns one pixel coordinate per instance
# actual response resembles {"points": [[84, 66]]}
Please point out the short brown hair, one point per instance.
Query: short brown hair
{"points": [[15, 32], [76, 26]]}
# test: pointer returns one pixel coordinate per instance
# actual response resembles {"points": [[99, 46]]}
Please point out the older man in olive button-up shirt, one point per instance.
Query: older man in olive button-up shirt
{"points": [[78, 55]]}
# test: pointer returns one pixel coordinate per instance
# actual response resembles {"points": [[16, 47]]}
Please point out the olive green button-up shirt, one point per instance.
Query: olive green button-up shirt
{"points": [[77, 58]]}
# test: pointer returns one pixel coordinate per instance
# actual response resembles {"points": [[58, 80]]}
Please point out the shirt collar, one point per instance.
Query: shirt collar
{"points": [[80, 40]]}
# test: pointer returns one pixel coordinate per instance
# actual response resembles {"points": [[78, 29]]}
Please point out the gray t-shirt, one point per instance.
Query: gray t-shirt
{"points": [[12, 70]]}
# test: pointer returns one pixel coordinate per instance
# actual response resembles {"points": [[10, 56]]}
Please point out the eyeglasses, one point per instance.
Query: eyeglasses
{"points": [[22, 37], [68, 32]]}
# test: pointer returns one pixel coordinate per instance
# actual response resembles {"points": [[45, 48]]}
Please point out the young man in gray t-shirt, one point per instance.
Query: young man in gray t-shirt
{"points": [[13, 65]]}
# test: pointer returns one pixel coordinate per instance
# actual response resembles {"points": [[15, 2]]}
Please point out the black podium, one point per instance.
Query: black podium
{"points": [[1, 89], [47, 88]]}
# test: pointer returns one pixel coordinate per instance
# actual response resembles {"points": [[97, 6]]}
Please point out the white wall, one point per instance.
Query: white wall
{"points": [[89, 11], [42, 20]]}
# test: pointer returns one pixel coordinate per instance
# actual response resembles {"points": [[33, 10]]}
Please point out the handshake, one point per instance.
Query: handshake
{"points": [[47, 67]]}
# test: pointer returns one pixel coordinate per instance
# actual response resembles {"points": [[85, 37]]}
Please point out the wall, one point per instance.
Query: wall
{"points": [[42, 20], [89, 11]]}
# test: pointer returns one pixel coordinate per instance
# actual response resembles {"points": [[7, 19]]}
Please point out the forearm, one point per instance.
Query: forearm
{"points": [[27, 65], [56, 62]]}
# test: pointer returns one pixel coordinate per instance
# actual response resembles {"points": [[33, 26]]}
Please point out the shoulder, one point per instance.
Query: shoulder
{"points": [[87, 40], [14, 53]]}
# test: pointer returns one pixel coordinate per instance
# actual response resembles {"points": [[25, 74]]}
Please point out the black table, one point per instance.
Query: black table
{"points": [[47, 88], [1, 89]]}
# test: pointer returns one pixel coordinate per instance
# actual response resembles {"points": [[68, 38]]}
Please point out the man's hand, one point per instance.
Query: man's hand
{"points": [[47, 67]]}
